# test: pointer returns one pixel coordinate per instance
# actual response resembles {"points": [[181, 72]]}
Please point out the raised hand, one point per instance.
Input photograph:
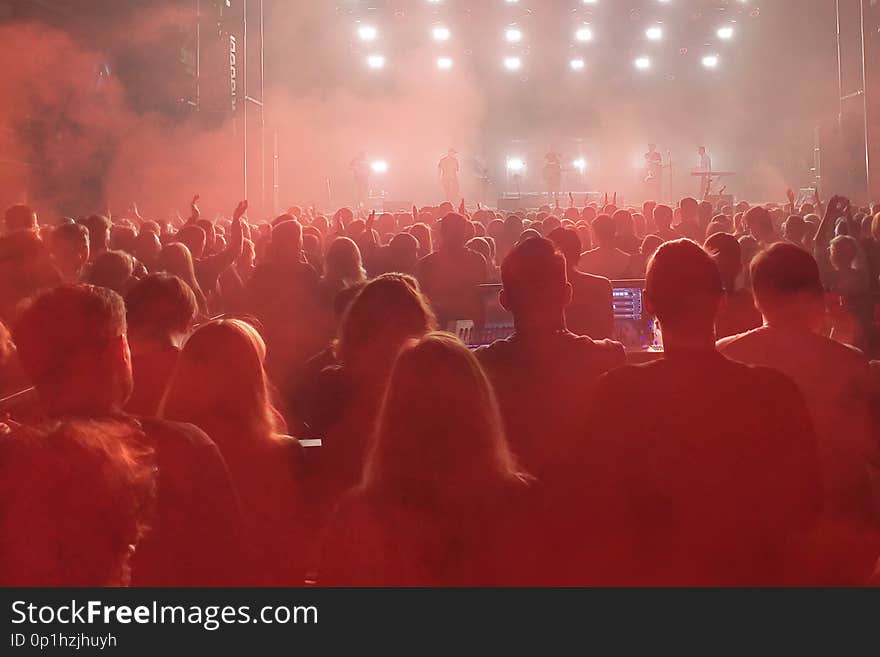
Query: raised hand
{"points": [[461, 208], [134, 211], [570, 200], [240, 210], [194, 213]]}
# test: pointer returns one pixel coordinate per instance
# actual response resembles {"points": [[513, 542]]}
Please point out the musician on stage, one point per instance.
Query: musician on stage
{"points": [[653, 173], [705, 166], [360, 169], [448, 169], [553, 174]]}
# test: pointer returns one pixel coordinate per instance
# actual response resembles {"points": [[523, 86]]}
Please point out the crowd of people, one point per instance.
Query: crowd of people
{"points": [[278, 403]]}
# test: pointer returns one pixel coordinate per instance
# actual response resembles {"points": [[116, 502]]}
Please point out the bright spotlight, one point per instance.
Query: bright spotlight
{"points": [[576, 64], [440, 33], [367, 33], [654, 33], [580, 164], [379, 166], [512, 63], [515, 164], [584, 34], [513, 35], [710, 61], [725, 33], [376, 61], [643, 63], [444, 63]]}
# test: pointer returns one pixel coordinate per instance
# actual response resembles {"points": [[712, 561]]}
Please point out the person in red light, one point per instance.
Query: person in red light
{"points": [[685, 487], [544, 376], [386, 312], [220, 385], [442, 501], [73, 346], [738, 313], [448, 169], [606, 259], [591, 310], [834, 379], [160, 311], [449, 276]]}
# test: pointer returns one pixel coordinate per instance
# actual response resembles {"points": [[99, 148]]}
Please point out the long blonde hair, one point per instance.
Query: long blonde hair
{"points": [[220, 384], [440, 431]]}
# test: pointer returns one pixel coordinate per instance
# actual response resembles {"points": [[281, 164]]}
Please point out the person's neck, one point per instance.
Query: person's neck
{"points": [[674, 341], [540, 325]]}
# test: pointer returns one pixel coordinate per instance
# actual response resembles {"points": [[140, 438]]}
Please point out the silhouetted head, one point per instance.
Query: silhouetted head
{"points": [[690, 210], [663, 216], [21, 217], [759, 224], [724, 250], [72, 345], [220, 385], [69, 246], [623, 224], [112, 269], [147, 248], [453, 231], [683, 289], [794, 229], [99, 233], [787, 286], [388, 311], [287, 243], [160, 307], [536, 288], [843, 252], [343, 261], [650, 245], [569, 244], [604, 230], [193, 236]]}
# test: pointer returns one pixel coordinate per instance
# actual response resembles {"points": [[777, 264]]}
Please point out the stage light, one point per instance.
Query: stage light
{"points": [[367, 33], [515, 164], [710, 61], [590, 2], [444, 63], [725, 32], [513, 35], [379, 166], [440, 33], [376, 61], [654, 33], [512, 63], [584, 34], [580, 164], [576, 64], [643, 63]]}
